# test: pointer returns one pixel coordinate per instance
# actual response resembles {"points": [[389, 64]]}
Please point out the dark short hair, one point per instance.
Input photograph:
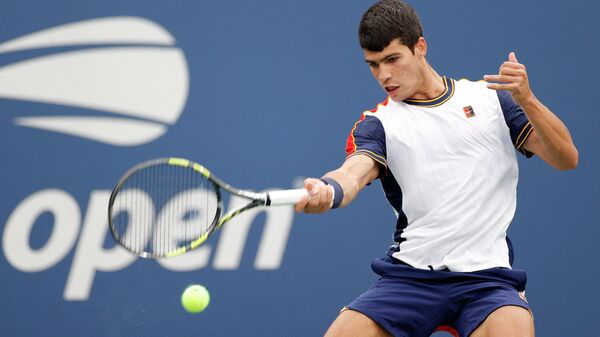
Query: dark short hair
{"points": [[386, 21]]}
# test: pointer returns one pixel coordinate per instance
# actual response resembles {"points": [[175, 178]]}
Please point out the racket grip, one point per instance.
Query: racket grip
{"points": [[286, 197]]}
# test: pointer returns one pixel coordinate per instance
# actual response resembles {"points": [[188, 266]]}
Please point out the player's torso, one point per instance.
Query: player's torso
{"points": [[450, 156]]}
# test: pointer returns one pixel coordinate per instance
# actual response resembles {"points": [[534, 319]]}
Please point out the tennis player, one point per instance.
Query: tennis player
{"points": [[444, 151]]}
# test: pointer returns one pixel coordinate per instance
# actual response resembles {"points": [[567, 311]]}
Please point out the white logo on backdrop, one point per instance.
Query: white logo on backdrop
{"points": [[129, 71], [142, 85]]}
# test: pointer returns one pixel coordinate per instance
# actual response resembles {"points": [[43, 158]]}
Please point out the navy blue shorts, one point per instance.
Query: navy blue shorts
{"points": [[411, 302]]}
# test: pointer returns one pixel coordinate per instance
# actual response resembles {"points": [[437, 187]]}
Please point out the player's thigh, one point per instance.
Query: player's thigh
{"points": [[351, 323], [507, 321]]}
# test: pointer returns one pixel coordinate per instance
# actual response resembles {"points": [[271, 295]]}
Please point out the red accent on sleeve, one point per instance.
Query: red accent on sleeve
{"points": [[384, 103], [350, 142]]}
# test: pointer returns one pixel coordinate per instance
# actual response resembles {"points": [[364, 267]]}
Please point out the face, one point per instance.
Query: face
{"points": [[397, 69]]}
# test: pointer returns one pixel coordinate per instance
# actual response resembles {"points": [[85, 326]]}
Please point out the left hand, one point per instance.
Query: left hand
{"points": [[512, 77]]}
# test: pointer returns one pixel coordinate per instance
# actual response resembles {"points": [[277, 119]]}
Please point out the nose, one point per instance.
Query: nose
{"points": [[384, 74]]}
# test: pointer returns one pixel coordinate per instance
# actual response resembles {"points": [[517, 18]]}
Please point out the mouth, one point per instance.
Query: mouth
{"points": [[389, 90]]}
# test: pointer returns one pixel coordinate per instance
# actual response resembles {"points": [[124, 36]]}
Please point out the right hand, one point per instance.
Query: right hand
{"points": [[319, 199]]}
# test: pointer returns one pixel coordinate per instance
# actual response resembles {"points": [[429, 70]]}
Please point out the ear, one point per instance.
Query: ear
{"points": [[421, 47]]}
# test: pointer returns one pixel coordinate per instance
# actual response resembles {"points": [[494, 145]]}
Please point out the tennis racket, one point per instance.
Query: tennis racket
{"points": [[167, 207]]}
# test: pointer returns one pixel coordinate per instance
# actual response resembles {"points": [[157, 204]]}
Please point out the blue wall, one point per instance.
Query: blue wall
{"points": [[265, 94]]}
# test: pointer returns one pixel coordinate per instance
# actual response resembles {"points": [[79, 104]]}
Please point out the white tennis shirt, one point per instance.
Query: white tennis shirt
{"points": [[450, 172]]}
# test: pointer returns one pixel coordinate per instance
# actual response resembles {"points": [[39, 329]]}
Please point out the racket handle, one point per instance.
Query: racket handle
{"points": [[286, 197]]}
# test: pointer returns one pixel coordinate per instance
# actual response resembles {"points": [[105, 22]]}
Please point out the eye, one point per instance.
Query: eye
{"points": [[391, 60]]}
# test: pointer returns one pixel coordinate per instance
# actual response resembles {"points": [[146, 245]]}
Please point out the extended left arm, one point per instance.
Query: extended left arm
{"points": [[550, 138]]}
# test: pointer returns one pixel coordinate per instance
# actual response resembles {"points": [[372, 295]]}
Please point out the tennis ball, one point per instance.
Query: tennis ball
{"points": [[195, 298]]}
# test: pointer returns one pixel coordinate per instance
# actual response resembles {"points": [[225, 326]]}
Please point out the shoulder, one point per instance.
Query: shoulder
{"points": [[379, 108], [373, 115], [369, 127], [467, 84], [478, 88]]}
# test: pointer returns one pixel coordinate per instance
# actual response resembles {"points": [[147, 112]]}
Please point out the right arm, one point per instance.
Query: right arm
{"points": [[357, 171]]}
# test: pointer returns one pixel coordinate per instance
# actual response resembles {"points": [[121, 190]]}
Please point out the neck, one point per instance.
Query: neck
{"points": [[432, 84]]}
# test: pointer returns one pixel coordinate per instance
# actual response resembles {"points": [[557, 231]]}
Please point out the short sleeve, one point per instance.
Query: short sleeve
{"points": [[368, 137], [516, 120]]}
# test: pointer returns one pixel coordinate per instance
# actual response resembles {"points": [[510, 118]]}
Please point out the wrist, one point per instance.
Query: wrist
{"points": [[338, 192], [528, 102]]}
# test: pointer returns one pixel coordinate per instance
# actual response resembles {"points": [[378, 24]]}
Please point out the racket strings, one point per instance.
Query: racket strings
{"points": [[162, 208]]}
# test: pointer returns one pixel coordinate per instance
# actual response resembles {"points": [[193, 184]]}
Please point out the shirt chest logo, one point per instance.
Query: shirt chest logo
{"points": [[469, 112]]}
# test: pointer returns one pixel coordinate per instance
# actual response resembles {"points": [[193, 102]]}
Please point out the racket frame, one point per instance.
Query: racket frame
{"points": [[257, 199]]}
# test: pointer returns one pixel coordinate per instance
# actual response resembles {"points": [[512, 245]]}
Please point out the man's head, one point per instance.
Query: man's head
{"points": [[386, 21], [391, 37]]}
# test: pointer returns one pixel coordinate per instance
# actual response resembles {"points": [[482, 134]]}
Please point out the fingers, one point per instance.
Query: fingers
{"points": [[501, 78], [503, 86], [301, 204], [513, 71], [512, 63], [308, 186], [512, 76], [319, 197], [508, 64]]}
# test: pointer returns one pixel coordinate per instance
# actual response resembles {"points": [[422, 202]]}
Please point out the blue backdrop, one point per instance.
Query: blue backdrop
{"points": [[263, 93]]}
